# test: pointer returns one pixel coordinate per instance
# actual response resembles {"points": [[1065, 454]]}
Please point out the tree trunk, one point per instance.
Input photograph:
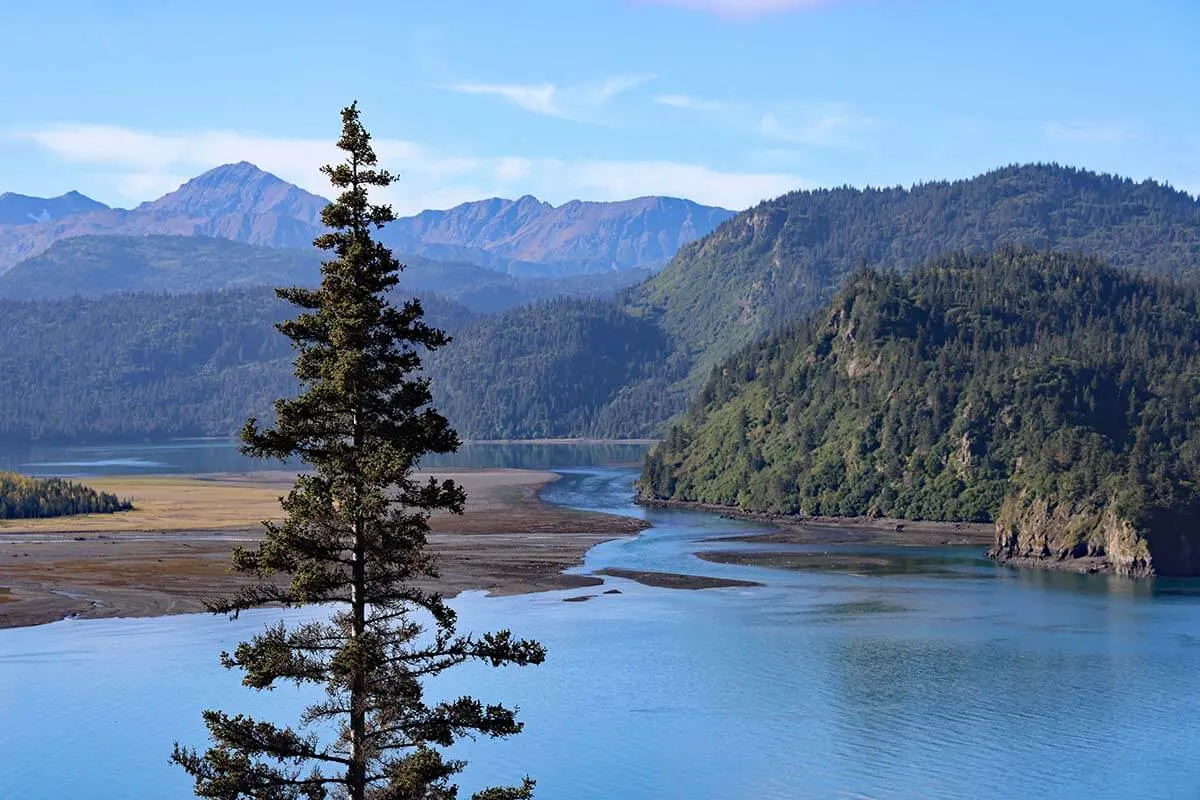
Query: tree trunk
{"points": [[356, 779]]}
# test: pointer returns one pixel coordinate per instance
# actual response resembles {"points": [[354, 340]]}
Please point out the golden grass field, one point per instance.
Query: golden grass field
{"points": [[167, 503], [174, 548], [236, 502]]}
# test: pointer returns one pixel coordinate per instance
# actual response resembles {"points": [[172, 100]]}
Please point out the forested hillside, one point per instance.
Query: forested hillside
{"points": [[778, 261], [143, 365], [90, 266], [558, 368], [787, 256], [972, 384]]}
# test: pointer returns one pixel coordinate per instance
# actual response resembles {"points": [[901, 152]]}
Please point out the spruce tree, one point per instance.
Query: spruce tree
{"points": [[353, 539]]}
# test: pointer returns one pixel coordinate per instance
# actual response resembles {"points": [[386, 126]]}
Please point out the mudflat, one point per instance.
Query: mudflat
{"points": [[173, 550], [674, 580]]}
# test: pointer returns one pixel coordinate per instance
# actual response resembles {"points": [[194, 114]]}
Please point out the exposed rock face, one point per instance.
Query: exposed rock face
{"points": [[242, 203], [1063, 534], [528, 236], [19, 209], [236, 201]]}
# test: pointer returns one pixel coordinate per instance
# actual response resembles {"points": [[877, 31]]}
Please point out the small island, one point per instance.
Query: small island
{"points": [[1047, 394], [23, 497]]}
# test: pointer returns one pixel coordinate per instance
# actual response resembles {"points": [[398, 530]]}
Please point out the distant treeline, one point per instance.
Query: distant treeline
{"points": [[22, 497], [148, 365], [158, 366]]}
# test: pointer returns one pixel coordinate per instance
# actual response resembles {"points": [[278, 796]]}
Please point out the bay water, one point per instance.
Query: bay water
{"points": [[946, 677]]}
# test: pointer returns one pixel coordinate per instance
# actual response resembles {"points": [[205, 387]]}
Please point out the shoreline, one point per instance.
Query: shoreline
{"points": [[841, 530], [562, 441], [176, 548]]}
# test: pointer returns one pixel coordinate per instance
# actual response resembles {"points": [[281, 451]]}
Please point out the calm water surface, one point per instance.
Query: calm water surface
{"points": [[948, 679], [186, 456]]}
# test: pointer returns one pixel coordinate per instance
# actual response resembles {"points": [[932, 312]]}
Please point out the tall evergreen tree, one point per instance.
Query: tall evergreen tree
{"points": [[353, 538]]}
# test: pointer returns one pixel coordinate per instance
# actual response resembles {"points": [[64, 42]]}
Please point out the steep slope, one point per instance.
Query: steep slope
{"points": [[785, 257], [237, 201], [550, 369], [20, 209], [1049, 393], [527, 236]]}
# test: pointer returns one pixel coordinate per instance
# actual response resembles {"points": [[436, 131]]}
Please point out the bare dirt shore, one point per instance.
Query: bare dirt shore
{"points": [[173, 549], [834, 531], [845, 530], [674, 580]]}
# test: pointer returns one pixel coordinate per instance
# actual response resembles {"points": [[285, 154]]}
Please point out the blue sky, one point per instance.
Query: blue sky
{"points": [[722, 101]]}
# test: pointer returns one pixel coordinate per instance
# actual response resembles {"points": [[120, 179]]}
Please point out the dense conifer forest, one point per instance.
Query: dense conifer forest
{"points": [[787, 256], [22, 497], [550, 368], [938, 394], [147, 365]]}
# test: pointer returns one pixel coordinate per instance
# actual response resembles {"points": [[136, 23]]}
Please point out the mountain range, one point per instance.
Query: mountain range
{"points": [[527, 236], [20, 209], [93, 266], [620, 366], [241, 203]]}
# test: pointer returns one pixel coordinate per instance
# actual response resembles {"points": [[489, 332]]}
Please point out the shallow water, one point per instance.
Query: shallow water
{"points": [[959, 680], [187, 456]]}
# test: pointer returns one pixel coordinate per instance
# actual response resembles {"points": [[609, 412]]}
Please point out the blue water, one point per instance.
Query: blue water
{"points": [[187, 456], [949, 678]]}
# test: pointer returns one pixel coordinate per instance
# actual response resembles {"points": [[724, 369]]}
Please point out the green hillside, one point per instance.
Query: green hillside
{"points": [[90, 266], [787, 256], [551, 369], [975, 388], [148, 365], [152, 365]]}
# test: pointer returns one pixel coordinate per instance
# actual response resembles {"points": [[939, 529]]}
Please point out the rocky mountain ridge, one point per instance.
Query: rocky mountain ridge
{"points": [[245, 204], [22, 209]]}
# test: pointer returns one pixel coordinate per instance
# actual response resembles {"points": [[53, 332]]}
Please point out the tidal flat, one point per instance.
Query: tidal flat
{"points": [[174, 548]]}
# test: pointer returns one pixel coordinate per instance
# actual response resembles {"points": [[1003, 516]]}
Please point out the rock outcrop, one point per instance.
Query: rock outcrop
{"points": [[1038, 532]]}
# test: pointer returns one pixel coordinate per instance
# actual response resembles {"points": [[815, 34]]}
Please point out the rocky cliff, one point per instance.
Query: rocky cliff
{"points": [[1038, 532]]}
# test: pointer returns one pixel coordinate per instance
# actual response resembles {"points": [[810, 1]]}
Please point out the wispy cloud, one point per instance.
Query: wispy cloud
{"points": [[828, 125], [539, 99], [1091, 132], [814, 125], [736, 190], [139, 165], [745, 8], [580, 103], [689, 103]]}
